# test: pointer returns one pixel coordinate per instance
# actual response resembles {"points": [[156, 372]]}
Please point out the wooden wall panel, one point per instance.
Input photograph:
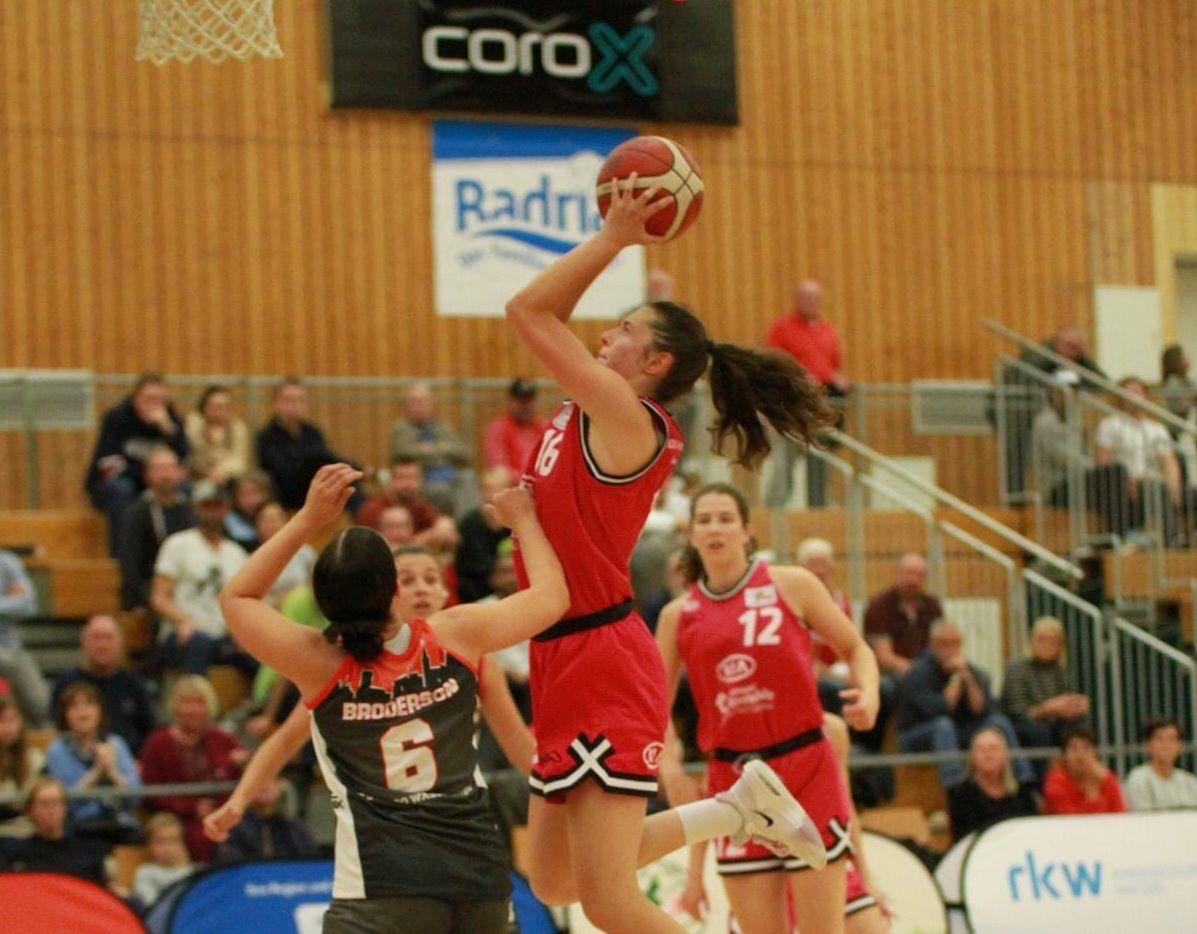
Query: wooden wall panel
{"points": [[933, 161]]}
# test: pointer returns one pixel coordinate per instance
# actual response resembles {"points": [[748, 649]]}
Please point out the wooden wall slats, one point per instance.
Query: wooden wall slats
{"points": [[933, 161]]}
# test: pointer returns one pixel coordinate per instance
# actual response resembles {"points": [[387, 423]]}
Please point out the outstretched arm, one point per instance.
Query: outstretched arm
{"points": [[266, 762], [295, 651], [475, 629], [539, 312]]}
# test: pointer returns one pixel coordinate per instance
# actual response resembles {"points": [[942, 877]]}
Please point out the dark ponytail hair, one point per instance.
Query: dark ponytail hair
{"points": [[354, 583], [745, 385], [691, 561]]}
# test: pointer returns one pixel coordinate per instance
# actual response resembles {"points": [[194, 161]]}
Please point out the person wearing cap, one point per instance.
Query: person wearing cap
{"points": [[512, 437], [192, 567]]}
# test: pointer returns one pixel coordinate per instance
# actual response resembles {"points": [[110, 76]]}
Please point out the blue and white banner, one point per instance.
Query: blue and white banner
{"points": [[277, 897], [509, 199], [1106, 872]]}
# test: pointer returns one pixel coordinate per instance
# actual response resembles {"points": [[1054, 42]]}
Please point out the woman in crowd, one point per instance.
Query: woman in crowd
{"points": [[270, 519], [52, 847], [219, 440], [85, 755], [191, 749], [989, 792], [20, 765]]}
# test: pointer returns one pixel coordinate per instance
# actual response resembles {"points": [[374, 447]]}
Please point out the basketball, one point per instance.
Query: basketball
{"points": [[657, 161]]}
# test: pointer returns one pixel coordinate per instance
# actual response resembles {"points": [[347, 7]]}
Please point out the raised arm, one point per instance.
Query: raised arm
{"points": [[476, 629], [266, 762], [503, 717], [811, 600], [539, 312], [295, 651]]}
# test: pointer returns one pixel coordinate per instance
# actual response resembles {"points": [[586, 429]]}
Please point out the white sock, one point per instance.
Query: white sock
{"points": [[707, 819]]}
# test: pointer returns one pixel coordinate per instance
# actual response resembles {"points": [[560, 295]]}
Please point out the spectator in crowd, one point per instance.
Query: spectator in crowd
{"points": [[128, 711], [897, 620], [480, 536], [511, 439], [1035, 692], [291, 449], [1178, 390], [52, 848], [817, 555], [116, 473], [405, 487], [1078, 783], [167, 859], [86, 755], [219, 440], [298, 572], [945, 700], [811, 339], [1058, 449], [189, 750], [989, 792], [250, 492], [422, 437], [659, 286], [1023, 392], [18, 600], [160, 511], [264, 833], [20, 764], [1143, 448], [396, 525], [191, 568], [1157, 783], [673, 583]]}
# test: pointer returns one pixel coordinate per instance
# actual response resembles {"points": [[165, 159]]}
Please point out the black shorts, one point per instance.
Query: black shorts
{"points": [[407, 914]]}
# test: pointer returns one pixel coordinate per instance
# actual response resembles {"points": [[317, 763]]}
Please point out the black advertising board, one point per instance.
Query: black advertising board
{"points": [[618, 59]]}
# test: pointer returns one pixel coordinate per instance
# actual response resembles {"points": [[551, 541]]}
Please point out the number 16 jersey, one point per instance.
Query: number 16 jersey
{"points": [[748, 659]]}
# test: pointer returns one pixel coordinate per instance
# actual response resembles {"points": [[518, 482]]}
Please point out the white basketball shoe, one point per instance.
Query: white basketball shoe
{"points": [[772, 816]]}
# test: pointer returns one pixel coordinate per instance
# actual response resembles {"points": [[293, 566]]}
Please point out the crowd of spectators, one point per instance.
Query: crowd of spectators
{"points": [[187, 498]]}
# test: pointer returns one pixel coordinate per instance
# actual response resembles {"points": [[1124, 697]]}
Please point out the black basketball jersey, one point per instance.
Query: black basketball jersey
{"points": [[395, 741]]}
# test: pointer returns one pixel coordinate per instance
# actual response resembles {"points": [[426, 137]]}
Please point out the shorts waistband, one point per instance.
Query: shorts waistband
{"points": [[806, 738], [575, 624]]}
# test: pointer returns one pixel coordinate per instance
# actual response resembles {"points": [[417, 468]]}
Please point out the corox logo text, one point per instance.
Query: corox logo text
{"points": [[604, 58], [736, 668]]}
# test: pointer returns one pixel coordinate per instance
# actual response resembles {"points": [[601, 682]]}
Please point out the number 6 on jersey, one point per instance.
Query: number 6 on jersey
{"points": [[407, 756]]}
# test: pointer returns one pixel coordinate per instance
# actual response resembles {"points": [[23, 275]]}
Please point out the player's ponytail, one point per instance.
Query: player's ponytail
{"points": [[354, 583], [748, 387]]}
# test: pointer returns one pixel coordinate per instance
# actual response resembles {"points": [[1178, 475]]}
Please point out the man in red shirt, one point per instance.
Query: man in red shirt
{"points": [[810, 339], [512, 437], [405, 487]]}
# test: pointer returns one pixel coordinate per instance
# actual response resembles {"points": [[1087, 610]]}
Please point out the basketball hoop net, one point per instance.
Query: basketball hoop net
{"points": [[210, 29]]}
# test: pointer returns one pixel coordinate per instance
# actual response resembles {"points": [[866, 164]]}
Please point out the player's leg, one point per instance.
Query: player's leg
{"points": [[819, 898], [550, 869], [605, 831], [866, 921], [758, 902]]}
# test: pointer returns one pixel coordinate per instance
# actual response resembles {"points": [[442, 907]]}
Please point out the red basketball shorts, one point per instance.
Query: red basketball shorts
{"points": [[812, 776], [599, 710]]}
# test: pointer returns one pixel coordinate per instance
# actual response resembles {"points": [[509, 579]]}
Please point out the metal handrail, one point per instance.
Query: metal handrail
{"points": [[1091, 376], [955, 502]]}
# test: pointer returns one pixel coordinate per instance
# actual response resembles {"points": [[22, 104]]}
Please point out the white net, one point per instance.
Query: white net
{"points": [[210, 29]]}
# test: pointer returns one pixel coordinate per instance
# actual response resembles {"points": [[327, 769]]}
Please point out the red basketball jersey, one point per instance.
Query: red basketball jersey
{"points": [[593, 519], [748, 659]]}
